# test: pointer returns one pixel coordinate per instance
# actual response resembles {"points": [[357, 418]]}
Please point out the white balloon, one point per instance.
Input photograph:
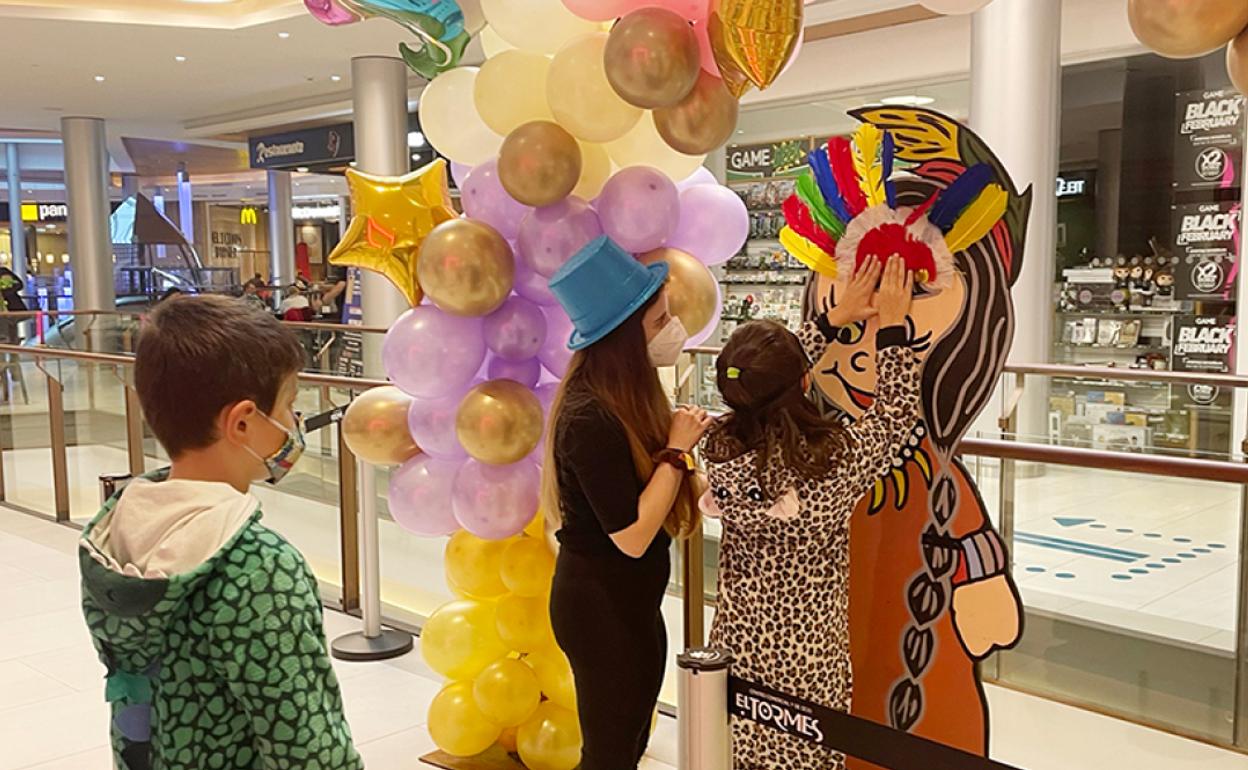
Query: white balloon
{"points": [[541, 26], [492, 43], [954, 7], [449, 118], [643, 146]]}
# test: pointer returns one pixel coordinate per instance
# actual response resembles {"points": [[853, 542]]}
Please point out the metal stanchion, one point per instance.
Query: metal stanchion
{"points": [[111, 484], [702, 692], [374, 642]]}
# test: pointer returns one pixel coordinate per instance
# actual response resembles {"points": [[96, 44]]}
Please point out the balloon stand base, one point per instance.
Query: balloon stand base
{"points": [[357, 647], [494, 759]]}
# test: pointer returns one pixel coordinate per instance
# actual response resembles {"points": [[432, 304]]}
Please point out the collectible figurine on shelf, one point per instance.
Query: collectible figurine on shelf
{"points": [[1164, 282]]}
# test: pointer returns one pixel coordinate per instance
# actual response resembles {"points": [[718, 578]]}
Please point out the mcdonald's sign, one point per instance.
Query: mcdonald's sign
{"points": [[247, 216]]}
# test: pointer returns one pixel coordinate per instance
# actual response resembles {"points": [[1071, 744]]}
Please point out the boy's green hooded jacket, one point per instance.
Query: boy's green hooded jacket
{"points": [[209, 625]]}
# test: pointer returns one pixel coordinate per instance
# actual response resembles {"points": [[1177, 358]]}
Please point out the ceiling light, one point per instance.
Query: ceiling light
{"points": [[909, 100], [99, 78], [302, 169], [415, 139], [283, 35], [179, 58], [335, 78]]}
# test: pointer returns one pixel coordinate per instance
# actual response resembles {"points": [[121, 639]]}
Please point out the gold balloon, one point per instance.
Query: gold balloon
{"points": [[460, 639], [466, 267], [499, 422], [692, 292], [652, 58], [704, 120], [554, 674], [507, 692], [595, 171], [457, 725], [581, 97], [524, 623], [472, 566], [1237, 62], [511, 90], [1185, 29], [528, 567], [392, 217], [752, 41], [551, 739], [540, 163], [375, 427]]}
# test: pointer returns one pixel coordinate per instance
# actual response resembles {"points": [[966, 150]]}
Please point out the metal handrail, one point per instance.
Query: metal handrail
{"points": [[1157, 465]]}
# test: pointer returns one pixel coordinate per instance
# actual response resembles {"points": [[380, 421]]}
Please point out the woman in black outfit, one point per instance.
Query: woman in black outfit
{"points": [[618, 471]]}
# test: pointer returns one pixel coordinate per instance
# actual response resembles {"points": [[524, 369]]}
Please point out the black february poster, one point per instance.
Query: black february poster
{"points": [[1206, 241], [1203, 343], [1208, 151]]}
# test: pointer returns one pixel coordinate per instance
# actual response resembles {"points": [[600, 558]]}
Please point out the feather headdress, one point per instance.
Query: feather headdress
{"points": [[844, 211]]}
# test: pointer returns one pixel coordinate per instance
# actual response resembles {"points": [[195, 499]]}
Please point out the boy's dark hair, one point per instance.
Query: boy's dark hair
{"points": [[197, 355]]}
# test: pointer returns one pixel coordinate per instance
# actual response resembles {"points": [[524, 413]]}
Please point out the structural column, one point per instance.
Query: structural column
{"points": [[186, 203], [86, 193], [379, 92], [281, 230], [17, 229], [1016, 77]]}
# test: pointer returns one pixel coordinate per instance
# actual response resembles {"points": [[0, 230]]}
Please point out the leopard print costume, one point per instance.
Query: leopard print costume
{"points": [[223, 666], [784, 565]]}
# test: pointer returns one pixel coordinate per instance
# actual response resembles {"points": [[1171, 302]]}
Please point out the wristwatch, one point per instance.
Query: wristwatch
{"points": [[676, 458]]}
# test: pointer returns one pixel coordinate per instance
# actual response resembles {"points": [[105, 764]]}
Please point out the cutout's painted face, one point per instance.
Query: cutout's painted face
{"points": [[846, 374]]}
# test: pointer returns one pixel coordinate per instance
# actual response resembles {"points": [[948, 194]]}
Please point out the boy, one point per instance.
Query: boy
{"points": [[209, 623]]}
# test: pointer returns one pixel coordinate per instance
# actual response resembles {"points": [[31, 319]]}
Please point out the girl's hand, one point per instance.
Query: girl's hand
{"points": [[896, 293], [855, 305], [689, 424]]}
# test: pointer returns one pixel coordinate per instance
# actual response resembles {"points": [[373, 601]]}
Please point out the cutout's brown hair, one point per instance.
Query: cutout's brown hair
{"points": [[197, 355]]}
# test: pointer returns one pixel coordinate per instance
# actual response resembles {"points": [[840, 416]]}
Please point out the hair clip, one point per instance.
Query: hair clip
{"points": [[733, 373]]}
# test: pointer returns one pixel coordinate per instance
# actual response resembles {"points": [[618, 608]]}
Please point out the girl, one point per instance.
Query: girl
{"points": [[785, 481], [618, 472]]}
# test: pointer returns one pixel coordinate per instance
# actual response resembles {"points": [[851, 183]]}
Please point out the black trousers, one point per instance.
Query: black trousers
{"points": [[607, 619]]}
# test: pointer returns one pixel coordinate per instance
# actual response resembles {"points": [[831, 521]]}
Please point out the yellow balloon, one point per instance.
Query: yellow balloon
{"points": [[643, 146], [511, 90], [492, 43], [457, 726], [466, 267], [375, 427], [524, 623], [473, 565], [595, 171], [551, 739], [554, 674], [581, 97], [507, 741], [507, 692], [449, 119], [499, 422], [528, 567], [692, 291], [537, 527], [461, 638], [541, 26]]}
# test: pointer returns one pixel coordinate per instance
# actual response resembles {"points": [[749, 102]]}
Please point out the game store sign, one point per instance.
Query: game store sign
{"points": [[1205, 240], [1203, 343], [1208, 139], [785, 158]]}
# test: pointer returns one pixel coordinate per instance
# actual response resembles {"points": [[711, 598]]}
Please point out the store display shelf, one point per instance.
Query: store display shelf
{"points": [[1101, 381], [1132, 348], [764, 283], [1160, 312], [731, 270]]}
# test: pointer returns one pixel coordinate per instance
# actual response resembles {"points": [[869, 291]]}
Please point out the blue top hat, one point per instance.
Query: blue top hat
{"points": [[601, 286]]}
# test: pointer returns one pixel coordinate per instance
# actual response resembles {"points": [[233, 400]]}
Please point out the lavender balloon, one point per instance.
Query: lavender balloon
{"points": [[554, 354], [495, 502], [430, 354], [432, 425], [546, 394], [420, 496], [527, 373], [713, 224], [533, 286], [485, 199], [460, 172], [702, 176], [639, 208], [549, 236], [516, 330]]}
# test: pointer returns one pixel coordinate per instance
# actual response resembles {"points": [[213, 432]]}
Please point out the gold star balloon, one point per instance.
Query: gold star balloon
{"points": [[392, 216]]}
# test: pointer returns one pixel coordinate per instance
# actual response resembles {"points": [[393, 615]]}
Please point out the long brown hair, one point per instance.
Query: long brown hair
{"points": [[760, 374], [615, 372]]}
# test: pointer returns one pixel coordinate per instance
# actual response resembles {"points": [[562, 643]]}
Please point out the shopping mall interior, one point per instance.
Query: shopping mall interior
{"points": [[154, 148]]}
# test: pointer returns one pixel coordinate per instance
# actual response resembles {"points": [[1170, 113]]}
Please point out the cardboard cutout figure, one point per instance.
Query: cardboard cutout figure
{"points": [[930, 590]]}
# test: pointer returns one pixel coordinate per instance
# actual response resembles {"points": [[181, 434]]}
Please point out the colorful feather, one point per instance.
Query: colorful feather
{"points": [[887, 157], [920, 211], [954, 199], [798, 218], [841, 159], [867, 145], [821, 168], [979, 218], [808, 191]]}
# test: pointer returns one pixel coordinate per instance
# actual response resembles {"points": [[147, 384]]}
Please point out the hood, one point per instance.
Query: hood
{"points": [[148, 549]]}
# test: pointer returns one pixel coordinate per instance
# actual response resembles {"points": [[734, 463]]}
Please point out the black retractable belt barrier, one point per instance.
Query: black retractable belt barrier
{"points": [[111, 484]]}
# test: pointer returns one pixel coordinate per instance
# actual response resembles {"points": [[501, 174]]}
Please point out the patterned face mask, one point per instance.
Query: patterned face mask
{"points": [[280, 462]]}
